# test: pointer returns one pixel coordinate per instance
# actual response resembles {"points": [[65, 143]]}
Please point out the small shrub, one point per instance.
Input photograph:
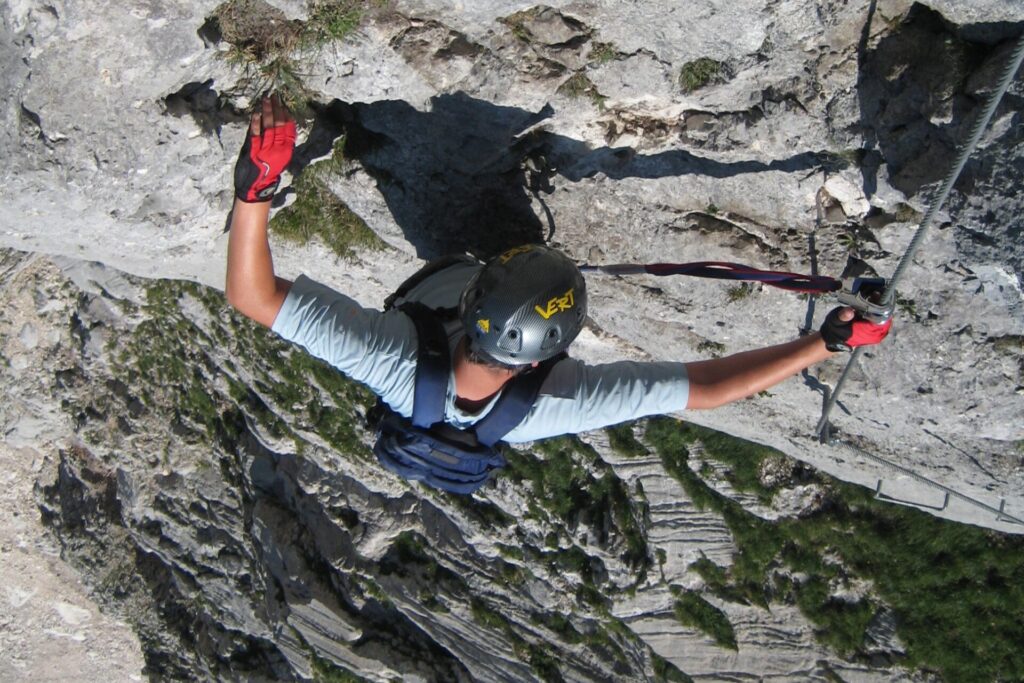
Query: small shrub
{"points": [[667, 672], [711, 348], [698, 73], [693, 610], [624, 442]]}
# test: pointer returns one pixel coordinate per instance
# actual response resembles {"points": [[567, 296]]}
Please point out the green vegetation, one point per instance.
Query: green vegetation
{"points": [[693, 610], [167, 359], [484, 615], [372, 589], [718, 581], [542, 663], [844, 158], [481, 511], [848, 240], [326, 671], [905, 213], [578, 85], [624, 442], [743, 457], [560, 624], [595, 636], [408, 556], [336, 19], [562, 482], [957, 591], [667, 672], [739, 292], [512, 551], [602, 53], [711, 348], [698, 73], [268, 47], [317, 212], [172, 359], [517, 23], [907, 307], [409, 559]]}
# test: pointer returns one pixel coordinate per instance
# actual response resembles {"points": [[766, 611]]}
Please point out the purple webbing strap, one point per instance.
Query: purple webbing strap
{"points": [[723, 270]]}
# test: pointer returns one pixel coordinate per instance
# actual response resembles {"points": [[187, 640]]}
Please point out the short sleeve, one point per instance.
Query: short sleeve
{"points": [[577, 397], [373, 347]]}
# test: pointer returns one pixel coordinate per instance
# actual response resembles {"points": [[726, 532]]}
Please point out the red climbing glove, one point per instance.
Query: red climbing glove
{"points": [[266, 152], [845, 335]]}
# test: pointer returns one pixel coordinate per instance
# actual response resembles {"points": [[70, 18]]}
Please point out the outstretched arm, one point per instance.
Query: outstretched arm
{"points": [[719, 381], [251, 285]]}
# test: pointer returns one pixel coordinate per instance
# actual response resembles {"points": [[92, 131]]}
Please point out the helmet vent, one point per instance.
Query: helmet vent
{"points": [[551, 338]]}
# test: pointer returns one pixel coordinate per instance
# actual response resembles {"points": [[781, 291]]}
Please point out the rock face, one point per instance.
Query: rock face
{"points": [[786, 135], [237, 520]]}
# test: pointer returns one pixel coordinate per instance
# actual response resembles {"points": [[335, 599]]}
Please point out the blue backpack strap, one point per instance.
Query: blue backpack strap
{"points": [[433, 367], [433, 364], [515, 402]]}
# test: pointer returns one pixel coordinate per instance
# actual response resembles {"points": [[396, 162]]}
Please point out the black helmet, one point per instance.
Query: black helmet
{"points": [[524, 306]]}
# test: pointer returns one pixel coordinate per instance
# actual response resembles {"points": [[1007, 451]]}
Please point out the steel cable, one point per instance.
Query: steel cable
{"points": [[936, 204]]}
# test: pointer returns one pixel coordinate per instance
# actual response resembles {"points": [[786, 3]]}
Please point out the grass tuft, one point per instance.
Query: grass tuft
{"points": [[318, 213], [268, 47], [578, 85], [602, 53], [739, 292], [624, 442]]}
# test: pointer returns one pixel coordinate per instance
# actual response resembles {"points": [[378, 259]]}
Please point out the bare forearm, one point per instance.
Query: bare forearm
{"points": [[251, 285], [720, 381]]}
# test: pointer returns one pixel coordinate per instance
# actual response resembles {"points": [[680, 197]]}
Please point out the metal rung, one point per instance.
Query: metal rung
{"points": [[1003, 517], [908, 503]]}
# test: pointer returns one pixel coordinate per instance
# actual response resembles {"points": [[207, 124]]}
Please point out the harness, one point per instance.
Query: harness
{"points": [[424, 447]]}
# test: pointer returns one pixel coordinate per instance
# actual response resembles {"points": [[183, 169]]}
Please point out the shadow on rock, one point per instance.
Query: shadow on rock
{"points": [[462, 176], [919, 91], [452, 177]]}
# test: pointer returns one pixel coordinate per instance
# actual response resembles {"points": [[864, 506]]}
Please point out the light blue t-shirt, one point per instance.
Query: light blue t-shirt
{"points": [[378, 349]]}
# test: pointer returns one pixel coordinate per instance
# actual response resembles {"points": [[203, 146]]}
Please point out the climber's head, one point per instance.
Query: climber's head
{"points": [[523, 307]]}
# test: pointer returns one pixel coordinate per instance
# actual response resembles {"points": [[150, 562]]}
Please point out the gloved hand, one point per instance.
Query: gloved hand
{"points": [[266, 152], [843, 330]]}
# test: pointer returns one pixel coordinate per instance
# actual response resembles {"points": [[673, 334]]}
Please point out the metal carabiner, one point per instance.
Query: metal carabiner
{"points": [[868, 296]]}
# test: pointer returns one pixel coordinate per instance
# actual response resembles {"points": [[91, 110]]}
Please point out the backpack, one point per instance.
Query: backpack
{"points": [[425, 448]]}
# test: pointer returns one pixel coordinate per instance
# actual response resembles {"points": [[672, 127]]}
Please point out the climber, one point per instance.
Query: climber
{"points": [[517, 312]]}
